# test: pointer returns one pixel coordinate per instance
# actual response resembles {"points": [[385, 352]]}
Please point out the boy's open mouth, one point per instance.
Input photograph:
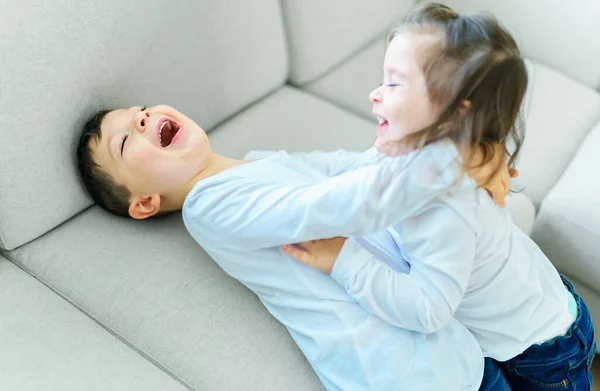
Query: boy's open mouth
{"points": [[167, 131]]}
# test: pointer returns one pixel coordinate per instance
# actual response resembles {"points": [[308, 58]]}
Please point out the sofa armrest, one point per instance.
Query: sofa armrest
{"points": [[568, 224]]}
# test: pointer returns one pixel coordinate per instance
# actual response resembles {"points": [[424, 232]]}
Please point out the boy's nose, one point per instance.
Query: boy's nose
{"points": [[141, 120], [375, 96]]}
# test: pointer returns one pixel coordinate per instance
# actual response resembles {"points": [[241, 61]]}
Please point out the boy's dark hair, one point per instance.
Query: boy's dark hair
{"points": [[478, 61], [108, 194]]}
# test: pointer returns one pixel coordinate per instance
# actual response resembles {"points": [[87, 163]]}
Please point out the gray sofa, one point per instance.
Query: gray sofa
{"points": [[90, 302]]}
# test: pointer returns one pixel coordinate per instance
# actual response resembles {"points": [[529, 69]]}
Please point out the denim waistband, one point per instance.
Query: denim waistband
{"points": [[572, 304], [583, 323]]}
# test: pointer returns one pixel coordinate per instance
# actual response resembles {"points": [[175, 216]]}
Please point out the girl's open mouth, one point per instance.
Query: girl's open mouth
{"points": [[382, 127]]}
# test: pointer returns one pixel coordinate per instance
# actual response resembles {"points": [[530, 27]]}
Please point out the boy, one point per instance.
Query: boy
{"points": [[142, 162]]}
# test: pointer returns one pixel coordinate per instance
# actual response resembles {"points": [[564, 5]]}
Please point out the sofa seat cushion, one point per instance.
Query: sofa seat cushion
{"points": [[149, 281], [48, 344], [568, 224]]}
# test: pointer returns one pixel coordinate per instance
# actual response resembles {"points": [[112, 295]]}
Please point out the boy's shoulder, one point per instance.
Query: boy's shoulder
{"points": [[225, 193]]}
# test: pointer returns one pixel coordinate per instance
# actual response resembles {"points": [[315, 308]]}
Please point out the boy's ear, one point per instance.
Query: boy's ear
{"points": [[144, 207]]}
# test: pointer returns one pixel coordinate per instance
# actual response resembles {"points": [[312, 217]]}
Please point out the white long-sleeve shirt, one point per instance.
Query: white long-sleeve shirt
{"points": [[241, 217], [467, 261]]}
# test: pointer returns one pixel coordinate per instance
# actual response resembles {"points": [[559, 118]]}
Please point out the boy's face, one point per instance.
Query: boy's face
{"points": [[153, 151], [402, 102]]}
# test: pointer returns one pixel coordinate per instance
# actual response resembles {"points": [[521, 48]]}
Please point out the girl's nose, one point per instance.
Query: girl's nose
{"points": [[375, 96]]}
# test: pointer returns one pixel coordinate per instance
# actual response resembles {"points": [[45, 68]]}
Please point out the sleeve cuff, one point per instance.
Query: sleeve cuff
{"points": [[350, 261]]}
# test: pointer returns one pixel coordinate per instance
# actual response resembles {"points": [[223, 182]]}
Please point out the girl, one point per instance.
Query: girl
{"points": [[452, 82]]}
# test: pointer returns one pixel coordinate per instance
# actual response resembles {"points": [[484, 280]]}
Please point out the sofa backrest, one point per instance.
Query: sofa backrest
{"points": [[559, 40], [322, 34], [63, 60], [560, 34]]}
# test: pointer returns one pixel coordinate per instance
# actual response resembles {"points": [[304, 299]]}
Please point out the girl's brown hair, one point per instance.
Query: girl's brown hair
{"points": [[475, 75]]}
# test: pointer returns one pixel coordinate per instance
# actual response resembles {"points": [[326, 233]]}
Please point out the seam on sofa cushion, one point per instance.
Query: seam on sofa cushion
{"points": [[115, 334], [379, 37]]}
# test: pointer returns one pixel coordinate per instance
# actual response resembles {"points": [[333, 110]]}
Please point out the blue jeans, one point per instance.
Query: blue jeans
{"points": [[493, 377], [562, 363]]}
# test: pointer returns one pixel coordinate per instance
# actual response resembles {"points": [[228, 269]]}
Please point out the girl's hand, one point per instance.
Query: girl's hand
{"points": [[320, 254], [494, 176]]}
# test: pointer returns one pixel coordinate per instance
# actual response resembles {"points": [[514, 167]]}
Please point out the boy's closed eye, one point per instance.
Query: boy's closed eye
{"points": [[126, 136]]}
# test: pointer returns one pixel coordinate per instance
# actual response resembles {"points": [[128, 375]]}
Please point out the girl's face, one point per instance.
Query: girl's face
{"points": [[402, 103]]}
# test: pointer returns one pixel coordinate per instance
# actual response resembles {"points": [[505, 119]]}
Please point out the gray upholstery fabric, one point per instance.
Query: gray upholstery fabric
{"points": [[321, 34], [522, 211], [350, 84], [48, 345], [560, 34], [559, 114], [293, 120], [150, 282], [568, 224], [62, 60]]}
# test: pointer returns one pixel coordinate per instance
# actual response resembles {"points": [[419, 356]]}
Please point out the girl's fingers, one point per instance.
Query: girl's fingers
{"points": [[506, 185], [295, 252], [498, 194]]}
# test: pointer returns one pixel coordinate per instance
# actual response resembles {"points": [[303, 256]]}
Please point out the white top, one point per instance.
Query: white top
{"points": [[242, 215], [467, 261]]}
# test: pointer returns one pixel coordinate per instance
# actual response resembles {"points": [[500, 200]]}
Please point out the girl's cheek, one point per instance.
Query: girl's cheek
{"points": [[396, 132]]}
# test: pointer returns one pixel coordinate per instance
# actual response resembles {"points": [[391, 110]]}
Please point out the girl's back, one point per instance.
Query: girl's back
{"points": [[493, 277]]}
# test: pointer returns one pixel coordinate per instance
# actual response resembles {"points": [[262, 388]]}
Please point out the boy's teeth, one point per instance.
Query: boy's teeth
{"points": [[160, 130]]}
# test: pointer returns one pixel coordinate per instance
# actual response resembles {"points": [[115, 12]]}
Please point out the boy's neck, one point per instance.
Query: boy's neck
{"points": [[218, 164]]}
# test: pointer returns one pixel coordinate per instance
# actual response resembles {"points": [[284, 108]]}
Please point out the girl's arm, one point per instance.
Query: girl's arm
{"points": [[441, 248], [338, 162], [242, 211]]}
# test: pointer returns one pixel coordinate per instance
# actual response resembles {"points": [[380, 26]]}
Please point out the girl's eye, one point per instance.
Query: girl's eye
{"points": [[123, 143], [143, 108]]}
